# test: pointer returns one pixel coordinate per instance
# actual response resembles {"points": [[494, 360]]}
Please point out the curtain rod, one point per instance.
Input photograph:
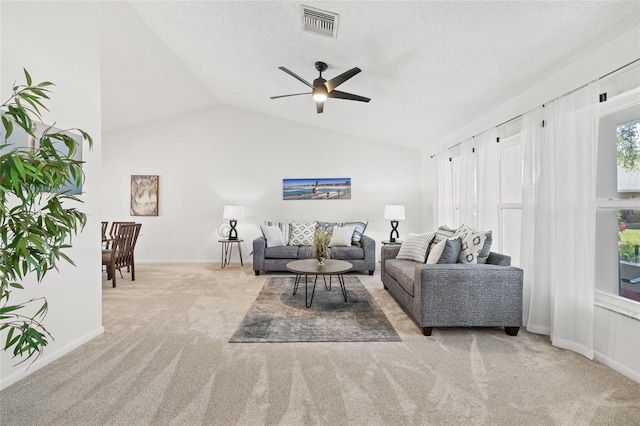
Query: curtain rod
{"points": [[554, 99]]}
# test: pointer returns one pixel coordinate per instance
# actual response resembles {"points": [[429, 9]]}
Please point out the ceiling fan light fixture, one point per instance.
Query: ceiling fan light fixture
{"points": [[319, 92], [322, 89], [319, 97]]}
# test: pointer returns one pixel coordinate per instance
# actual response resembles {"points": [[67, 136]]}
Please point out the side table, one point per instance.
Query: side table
{"points": [[227, 250]]}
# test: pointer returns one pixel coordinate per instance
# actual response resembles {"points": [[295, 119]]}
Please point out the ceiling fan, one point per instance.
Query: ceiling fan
{"points": [[322, 89]]}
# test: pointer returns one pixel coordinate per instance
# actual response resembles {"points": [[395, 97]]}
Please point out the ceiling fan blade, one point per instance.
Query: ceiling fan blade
{"points": [[337, 81], [296, 76], [349, 96], [320, 107], [294, 94]]}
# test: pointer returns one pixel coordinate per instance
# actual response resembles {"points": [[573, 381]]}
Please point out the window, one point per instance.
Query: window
{"points": [[618, 193], [628, 174]]}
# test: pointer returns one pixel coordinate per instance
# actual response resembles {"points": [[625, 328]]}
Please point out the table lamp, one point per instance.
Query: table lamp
{"points": [[233, 213], [394, 213]]}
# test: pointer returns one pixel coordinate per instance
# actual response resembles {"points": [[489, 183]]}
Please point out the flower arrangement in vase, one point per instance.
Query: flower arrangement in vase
{"points": [[321, 247]]}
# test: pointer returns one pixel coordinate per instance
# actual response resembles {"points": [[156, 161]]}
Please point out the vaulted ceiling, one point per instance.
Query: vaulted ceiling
{"points": [[427, 66]]}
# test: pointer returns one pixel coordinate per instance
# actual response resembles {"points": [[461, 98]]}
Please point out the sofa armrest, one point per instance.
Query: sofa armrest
{"points": [[498, 259], [259, 247], [388, 251], [368, 245], [458, 292]]}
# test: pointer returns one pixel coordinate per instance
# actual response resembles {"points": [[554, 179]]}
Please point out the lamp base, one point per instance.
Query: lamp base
{"points": [[233, 234], [394, 230]]}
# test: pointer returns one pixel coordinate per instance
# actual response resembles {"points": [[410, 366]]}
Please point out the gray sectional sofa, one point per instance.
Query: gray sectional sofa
{"points": [[455, 294]]}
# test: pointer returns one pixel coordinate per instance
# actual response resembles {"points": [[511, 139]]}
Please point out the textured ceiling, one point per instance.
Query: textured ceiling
{"points": [[427, 66]]}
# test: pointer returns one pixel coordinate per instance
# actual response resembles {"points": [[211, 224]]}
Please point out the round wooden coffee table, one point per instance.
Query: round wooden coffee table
{"points": [[308, 267]]}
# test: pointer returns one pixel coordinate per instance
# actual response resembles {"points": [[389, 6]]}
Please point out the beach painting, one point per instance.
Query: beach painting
{"points": [[316, 189], [144, 195]]}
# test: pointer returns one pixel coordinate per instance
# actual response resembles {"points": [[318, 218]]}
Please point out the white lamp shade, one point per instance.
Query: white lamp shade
{"points": [[394, 212], [233, 212]]}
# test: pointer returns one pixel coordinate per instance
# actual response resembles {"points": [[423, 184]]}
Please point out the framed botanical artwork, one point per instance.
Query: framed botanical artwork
{"points": [[316, 189], [144, 195]]}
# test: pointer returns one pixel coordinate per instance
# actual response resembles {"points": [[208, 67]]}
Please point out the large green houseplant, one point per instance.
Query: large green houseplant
{"points": [[36, 222]]}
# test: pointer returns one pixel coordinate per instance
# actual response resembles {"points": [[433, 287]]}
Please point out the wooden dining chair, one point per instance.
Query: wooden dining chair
{"points": [[113, 232], [121, 254]]}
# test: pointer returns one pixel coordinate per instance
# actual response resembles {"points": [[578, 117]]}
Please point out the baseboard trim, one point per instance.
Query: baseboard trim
{"points": [[620, 368], [48, 358]]}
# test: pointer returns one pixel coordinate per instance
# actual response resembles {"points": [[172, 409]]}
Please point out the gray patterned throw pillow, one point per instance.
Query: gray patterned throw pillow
{"points": [[302, 233], [327, 227], [472, 245]]}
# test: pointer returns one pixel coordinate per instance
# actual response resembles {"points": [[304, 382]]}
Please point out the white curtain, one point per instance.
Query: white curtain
{"points": [[473, 186], [467, 186], [445, 213], [488, 183], [558, 219]]}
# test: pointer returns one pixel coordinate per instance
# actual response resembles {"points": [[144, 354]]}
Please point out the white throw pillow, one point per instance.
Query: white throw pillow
{"points": [[341, 236], [415, 247], [273, 235], [302, 233], [436, 252]]}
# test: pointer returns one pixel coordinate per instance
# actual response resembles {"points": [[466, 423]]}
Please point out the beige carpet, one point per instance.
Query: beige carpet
{"points": [[165, 359]]}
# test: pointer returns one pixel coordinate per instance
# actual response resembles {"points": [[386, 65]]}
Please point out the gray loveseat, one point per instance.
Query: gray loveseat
{"points": [[456, 294], [363, 257]]}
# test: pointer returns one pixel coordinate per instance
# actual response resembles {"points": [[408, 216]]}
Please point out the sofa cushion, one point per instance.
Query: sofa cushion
{"points": [[360, 226], [327, 227], [302, 233], [306, 252], [341, 236], [282, 252], [347, 253], [415, 247], [446, 251], [403, 271], [273, 235]]}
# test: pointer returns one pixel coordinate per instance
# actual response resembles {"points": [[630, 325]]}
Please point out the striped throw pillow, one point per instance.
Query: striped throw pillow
{"points": [[360, 226], [284, 227], [415, 247]]}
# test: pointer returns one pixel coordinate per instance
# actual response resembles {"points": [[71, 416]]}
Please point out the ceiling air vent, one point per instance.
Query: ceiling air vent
{"points": [[319, 21]]}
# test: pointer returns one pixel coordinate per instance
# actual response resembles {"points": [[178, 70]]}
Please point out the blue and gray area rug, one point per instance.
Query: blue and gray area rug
{"points": [[279, 316]]}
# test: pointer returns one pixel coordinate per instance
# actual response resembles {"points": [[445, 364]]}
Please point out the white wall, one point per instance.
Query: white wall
{"points": [[616, 335], [429, 192], [224, 155], [57, 42], [609, 57]]}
